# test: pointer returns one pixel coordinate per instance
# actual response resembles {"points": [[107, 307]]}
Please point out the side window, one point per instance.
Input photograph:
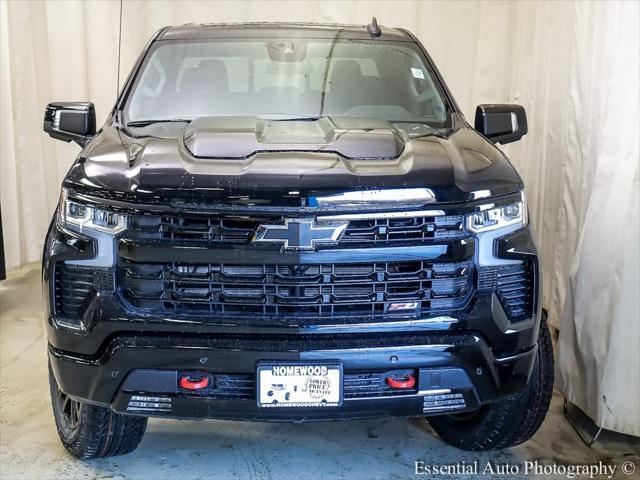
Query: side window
{"points": [[153, 79], [424, 93], [151, 86]]}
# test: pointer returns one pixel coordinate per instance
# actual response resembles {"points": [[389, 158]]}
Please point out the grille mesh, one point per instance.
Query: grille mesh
{"points": [[311, 290], [403, 229], [203, 229], [239, 230]]}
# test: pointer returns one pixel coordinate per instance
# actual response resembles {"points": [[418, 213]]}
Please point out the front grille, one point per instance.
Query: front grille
{"points": [[74, 288], [513, 284], [192, 228], [220, 230], [313, 290], [416, 229]]}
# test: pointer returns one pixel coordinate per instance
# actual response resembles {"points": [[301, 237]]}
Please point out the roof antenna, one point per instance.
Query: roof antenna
{"points": [[373, 28]]}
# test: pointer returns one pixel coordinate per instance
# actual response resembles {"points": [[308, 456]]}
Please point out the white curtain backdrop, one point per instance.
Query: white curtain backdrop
{"points": [[572, 64]]}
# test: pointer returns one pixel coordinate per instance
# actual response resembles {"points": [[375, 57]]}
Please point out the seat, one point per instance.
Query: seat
{"points": [[204, 90], [346, 78], [354, 94], [208, 75]]}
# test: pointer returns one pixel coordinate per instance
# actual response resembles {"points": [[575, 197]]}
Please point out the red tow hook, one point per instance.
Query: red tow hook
{"points": [[402, 383], [188, 383]]}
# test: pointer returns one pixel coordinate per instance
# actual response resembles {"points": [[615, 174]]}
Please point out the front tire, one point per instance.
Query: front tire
{"points": [[510, 421], [88, 431]]}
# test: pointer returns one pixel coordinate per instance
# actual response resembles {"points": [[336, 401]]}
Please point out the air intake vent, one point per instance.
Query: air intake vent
{"points": [[487, 279], [513, 285], [74, 289], [362, 385], [515, 290], [356, 385], [234, 386]]}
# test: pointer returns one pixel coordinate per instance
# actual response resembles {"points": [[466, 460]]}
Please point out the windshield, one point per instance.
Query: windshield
{"points": [[286, 79]]}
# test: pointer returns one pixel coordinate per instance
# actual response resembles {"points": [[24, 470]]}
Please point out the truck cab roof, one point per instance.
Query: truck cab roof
{"points": [[275, 30]]}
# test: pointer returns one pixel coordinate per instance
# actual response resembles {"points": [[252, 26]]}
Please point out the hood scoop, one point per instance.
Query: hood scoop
{"points": [[242, 137]]}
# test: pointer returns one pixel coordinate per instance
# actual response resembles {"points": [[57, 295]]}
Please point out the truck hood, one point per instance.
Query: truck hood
{"points": [[307, 162]]}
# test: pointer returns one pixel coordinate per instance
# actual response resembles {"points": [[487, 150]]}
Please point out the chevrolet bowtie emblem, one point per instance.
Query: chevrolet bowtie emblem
{"points": [[300, 234]]}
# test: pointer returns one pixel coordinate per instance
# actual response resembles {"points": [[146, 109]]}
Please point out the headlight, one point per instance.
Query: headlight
{"points": [[499, 217], [85, 217]]}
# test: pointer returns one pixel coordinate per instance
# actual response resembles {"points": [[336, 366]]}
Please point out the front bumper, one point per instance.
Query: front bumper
{"points": [[460, 364], [119, 357]]}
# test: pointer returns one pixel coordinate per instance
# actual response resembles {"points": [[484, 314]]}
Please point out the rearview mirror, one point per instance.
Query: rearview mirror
{"points": [[68, 121], [501, 123]]}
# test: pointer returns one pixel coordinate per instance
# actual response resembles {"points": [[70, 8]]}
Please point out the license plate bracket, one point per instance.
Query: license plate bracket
{"points": [[299, 384]]}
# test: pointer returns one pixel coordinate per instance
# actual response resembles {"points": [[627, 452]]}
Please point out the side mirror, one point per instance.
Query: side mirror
{"points": [[68, 121], [501, 123]]}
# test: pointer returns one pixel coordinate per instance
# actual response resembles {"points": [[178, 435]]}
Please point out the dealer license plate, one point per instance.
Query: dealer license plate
{"points": [[299, 385]]}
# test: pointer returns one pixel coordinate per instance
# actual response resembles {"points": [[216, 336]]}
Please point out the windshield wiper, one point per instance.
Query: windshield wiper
{"points": [[144, 123], [289, 117], [425, 129], [298, 119]]}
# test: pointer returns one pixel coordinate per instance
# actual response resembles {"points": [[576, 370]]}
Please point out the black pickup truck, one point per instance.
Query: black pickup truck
{"points": [[288, 222]]}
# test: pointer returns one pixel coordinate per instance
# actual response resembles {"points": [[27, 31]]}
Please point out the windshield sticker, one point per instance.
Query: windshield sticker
{"points": [[417, 73]]}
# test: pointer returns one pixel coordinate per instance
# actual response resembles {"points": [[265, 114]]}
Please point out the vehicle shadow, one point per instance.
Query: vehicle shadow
{"points": [[373, 449]]}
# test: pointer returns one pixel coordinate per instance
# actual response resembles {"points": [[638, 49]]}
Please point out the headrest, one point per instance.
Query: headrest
{"points": [[345, 71], [208, 74]]}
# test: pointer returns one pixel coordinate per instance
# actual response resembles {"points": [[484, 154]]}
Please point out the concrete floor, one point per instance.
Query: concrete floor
{"points": [[372, 449]]}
